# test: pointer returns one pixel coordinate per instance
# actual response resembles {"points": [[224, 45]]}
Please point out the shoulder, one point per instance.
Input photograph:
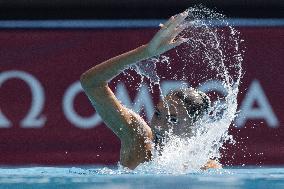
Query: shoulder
{"points": [[212, 164], [140, 128], [137, 147]]}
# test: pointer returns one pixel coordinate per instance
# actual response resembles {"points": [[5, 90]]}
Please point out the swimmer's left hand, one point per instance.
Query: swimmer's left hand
{"points": [[164, 39]]}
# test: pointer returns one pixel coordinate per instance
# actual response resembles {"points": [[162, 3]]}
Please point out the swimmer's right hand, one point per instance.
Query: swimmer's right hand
{"points": [[164, 39]]}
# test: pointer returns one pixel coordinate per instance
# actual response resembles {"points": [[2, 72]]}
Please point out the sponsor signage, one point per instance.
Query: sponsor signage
{"points": [[45, 118]]}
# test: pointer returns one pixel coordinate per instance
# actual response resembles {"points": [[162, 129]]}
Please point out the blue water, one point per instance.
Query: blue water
{"points": [[92, 178]]}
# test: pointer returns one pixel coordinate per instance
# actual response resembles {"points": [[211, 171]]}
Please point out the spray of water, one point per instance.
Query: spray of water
{"points": [[212, 53]]}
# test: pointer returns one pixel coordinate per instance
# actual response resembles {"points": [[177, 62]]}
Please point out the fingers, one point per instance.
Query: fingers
{"points": [[161, 25], [169, 28], [178, 31], [165, 25], [177, 21], [164, 38]]}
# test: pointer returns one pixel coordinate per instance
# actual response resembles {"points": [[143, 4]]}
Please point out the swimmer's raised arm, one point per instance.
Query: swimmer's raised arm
{"points": [[132, 130], [161, 42], [99, 75]]}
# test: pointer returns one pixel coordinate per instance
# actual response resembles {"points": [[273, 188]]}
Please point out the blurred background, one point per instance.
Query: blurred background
{"points": [[143, 9], [45, 118]]}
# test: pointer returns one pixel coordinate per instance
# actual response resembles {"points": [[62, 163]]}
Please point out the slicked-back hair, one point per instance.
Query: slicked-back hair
{"points": [[196, 102]]}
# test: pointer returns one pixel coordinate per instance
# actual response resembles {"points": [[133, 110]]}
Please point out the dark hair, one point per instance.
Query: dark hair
{"points": [[196, 102]]}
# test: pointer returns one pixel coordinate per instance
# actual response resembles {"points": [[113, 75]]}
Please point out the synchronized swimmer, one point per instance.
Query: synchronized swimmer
{"points": [[178, 110]]}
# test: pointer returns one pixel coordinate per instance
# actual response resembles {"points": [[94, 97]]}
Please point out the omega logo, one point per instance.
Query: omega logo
{"points": [[35, 119]]}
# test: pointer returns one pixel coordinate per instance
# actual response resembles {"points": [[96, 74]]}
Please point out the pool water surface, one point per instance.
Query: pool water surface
{"points": [[92, 178]]}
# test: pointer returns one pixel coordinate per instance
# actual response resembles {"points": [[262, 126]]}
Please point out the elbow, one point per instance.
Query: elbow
{"points": [[90, 81], [84, 80]]}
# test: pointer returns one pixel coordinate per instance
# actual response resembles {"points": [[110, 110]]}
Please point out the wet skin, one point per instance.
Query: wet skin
{"points": [[135, 135], [170, 113]]}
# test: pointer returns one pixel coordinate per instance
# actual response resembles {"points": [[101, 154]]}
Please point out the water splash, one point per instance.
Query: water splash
{"points": [[212, 53]]}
